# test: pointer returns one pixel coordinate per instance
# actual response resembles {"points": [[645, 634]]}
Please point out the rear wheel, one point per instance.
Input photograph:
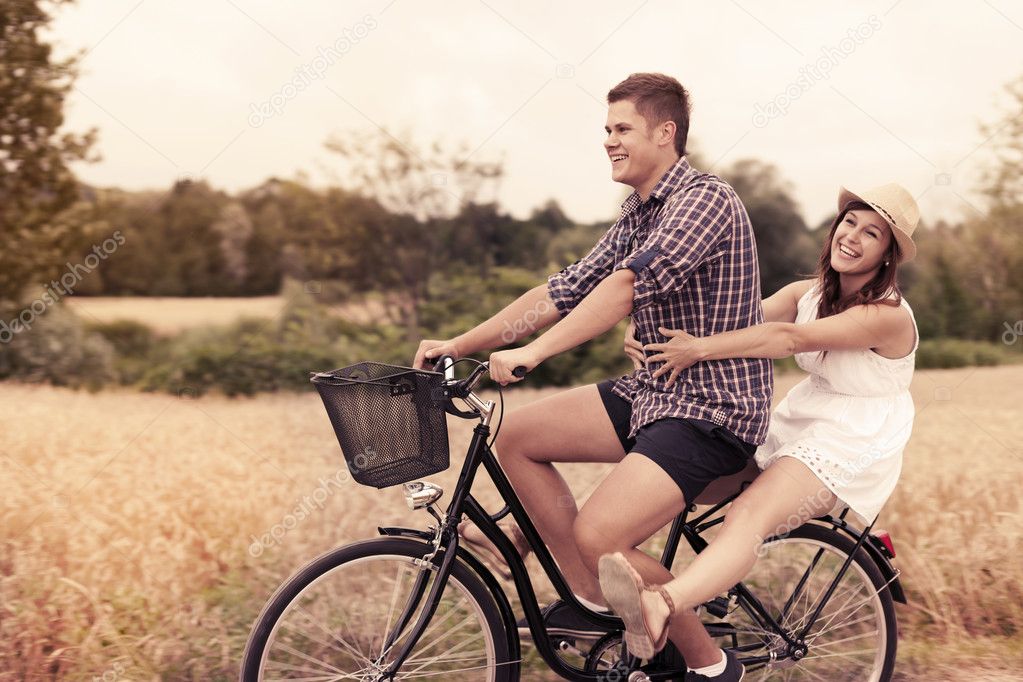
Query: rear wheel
{"points": [[331, 620], [854, 638]]}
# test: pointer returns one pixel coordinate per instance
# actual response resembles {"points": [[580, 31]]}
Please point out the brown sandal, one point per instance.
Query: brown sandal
{"points": [[623, 588], [474, 539]]}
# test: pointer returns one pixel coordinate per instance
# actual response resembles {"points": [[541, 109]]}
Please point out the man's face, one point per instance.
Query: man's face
{"points": [[634, 154]]}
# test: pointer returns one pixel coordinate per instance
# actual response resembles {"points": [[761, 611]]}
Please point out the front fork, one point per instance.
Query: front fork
{"points": [[427, 565], [445, 539]]}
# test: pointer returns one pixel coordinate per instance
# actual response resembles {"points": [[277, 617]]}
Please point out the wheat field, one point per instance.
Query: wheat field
{"points": [[170, 315], [131, 523]]}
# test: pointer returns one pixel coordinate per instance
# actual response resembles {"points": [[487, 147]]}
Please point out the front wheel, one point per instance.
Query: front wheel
{"points": [[332, 620]]}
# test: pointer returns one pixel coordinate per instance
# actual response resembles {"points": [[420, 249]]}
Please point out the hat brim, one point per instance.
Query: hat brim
{"points": [[907, 248]]}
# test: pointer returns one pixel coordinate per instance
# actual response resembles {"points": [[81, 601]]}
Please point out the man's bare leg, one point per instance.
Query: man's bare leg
{"points": [[636, 500], [572, 426]]}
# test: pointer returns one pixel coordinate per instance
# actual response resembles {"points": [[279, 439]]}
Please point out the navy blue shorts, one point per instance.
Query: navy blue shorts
{"points": [[693, 452]]}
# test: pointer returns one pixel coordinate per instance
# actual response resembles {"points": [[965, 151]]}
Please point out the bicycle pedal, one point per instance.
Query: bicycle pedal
{"points": [[717, 607]]}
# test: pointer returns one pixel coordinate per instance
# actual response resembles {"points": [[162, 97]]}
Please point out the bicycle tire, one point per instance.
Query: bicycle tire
{"points": [[403, 551], [811, 538]]}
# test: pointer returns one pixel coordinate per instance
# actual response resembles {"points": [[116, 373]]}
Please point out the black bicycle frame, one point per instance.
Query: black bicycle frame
{"points": [[446, 549]]}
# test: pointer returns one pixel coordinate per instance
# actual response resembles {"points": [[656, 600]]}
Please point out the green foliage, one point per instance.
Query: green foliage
{"points": [[254, 355], [785, 249], [241, 359], [968, 279], [1003, 181], [946, 353], [127, 337], [58, 349], [36, 184], [135, 347], [463, 300]]}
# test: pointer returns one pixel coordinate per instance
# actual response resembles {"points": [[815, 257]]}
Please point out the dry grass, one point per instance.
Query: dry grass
{"points": [[127, 521], [169, 315]]}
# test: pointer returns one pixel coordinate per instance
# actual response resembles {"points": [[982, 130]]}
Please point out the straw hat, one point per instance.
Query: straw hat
{"points": [[897, 206]]}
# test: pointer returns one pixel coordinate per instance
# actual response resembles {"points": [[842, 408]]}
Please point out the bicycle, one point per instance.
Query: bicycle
{"points": [[414, 604]]}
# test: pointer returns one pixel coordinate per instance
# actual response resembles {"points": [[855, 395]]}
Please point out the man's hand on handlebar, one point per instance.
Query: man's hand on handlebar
{"points": [[430, 350], [503, 364]]}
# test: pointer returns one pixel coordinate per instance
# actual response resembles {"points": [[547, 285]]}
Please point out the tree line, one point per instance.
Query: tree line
{"points": [[406, 221]]}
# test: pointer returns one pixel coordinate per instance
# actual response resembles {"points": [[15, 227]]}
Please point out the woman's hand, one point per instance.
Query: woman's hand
{"points": [[504, 362], [682, 350], [633, 348]]}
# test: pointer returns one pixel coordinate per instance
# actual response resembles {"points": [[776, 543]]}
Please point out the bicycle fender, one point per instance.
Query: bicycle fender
{"points": [[500, 598], [873, 548], [887, 570]]}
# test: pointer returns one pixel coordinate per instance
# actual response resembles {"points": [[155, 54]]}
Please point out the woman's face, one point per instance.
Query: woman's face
{"points": [[860, 242]]}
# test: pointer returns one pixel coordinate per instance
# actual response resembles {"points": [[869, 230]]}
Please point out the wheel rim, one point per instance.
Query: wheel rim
{"points": [[849, 639], [335, 628]]}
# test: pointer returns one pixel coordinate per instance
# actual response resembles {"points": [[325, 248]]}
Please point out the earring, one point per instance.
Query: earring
{"points": [[886, 263]]}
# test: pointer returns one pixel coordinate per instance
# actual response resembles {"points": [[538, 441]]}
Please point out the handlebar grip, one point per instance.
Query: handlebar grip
{"points": [[520, 371], [446, 364]]}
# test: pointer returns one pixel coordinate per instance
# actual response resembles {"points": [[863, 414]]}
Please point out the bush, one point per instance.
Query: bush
{"points": [[60, 350], [947, 353], [253, 355], [238, 360], [128, 337], [135, 345]]}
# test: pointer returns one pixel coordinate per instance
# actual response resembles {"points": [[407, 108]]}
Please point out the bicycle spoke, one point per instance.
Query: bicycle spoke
{"points": [[292, 668], [352, 609], [402, 569], [801, 623], [843, 624], [457, 647], [846, 639], [351, 648], [445, 657], [305, 657], [812, 674], [867, 600], [791, 581], [460, 670]]}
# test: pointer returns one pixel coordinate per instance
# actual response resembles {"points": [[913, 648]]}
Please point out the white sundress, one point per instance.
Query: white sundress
{"points": [[849, 421]]}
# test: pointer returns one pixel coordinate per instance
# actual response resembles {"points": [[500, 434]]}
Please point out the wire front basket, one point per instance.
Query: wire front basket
{"points": [[389, 420]]}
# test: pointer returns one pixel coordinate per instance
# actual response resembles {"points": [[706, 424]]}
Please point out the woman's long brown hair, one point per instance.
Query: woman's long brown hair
{"points": [[878, 290]]}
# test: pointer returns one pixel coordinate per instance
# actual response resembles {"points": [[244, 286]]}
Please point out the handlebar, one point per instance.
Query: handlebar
{"points": [[463, 388]]}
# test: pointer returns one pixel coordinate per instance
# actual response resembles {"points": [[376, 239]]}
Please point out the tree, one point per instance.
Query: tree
{"points": [[35, 181], [1003, 181], [784, 246], [422, 189]]}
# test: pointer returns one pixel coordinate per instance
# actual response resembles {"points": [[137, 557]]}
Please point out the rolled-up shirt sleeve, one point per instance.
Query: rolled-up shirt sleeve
{"points": [[572, 284], [693, 230]]}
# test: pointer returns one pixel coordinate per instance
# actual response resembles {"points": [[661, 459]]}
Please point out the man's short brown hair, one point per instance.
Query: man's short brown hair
{"points": [[658, 98]]}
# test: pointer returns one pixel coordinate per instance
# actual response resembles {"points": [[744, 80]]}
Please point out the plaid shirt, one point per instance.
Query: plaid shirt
{"points": [[692, 249]]}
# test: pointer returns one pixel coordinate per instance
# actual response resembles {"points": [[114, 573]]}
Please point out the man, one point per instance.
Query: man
{"points": [[681, 256]]}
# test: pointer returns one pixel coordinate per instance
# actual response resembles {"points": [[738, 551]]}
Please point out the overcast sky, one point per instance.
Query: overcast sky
{"points": [[832, 92]]}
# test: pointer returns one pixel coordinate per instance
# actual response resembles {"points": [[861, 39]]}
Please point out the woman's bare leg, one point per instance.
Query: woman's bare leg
{"points": [[782, 498]]}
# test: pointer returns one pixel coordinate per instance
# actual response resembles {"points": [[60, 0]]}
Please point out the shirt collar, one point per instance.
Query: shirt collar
{"points": [[674, 178]]}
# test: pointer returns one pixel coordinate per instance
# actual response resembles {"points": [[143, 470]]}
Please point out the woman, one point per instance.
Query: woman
{"points": [[837, 437]]}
